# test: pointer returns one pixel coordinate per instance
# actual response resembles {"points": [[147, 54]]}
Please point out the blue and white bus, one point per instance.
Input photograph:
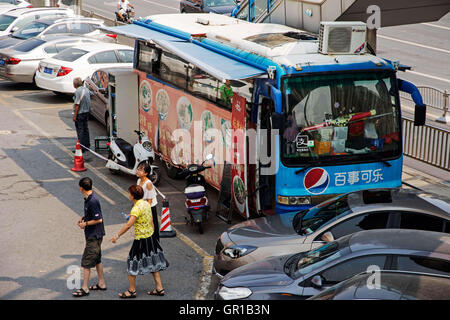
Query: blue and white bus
{"points": [[325, 114]]}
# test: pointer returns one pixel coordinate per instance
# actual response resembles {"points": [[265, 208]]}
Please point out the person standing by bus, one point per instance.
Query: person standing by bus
{"points": [[146, 255], [143, 172], [81, 108], [94, 230]]}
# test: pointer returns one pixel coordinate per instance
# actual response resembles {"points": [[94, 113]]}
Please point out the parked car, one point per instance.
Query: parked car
{"points": [[15, 19], [8, 5], [304, 275], [17, 3], [87, 27], [215, 6], [97, 83], [57, 73], [393, 285], [20, 62], [260, 238]]}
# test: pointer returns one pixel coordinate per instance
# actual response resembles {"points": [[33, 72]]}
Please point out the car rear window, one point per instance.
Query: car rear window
{"points": [[30, 30], [70, 54], [5, 21], [28, 45]]}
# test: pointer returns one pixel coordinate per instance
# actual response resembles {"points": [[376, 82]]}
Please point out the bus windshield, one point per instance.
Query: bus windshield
{"points": [[339, 118]]}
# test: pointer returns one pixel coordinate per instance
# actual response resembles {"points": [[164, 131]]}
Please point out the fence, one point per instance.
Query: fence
{"points": [[433, 98], [427, 143]]}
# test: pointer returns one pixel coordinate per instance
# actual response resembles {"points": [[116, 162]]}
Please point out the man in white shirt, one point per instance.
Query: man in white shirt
{"points": [[122, 7]]}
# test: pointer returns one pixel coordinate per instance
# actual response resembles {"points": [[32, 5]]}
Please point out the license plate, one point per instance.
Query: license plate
{"points": [[2, 62], [48, 70]]}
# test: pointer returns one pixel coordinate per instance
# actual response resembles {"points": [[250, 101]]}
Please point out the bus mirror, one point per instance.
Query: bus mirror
{"points": [[420, 115], [277, 121]]}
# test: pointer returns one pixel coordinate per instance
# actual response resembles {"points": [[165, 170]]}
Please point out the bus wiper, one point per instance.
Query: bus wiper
{"points": [[308, 166], [379, 158]]}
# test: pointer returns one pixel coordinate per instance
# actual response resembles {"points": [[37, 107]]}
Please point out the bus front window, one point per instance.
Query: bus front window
{"points": [[340, 118]]}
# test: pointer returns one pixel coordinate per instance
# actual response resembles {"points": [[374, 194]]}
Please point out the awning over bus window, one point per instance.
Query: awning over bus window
{"points": [[137, 32], [215, 64]]}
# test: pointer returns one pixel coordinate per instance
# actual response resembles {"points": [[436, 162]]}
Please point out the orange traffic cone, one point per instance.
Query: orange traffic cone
{"points": [[165, 229], [79, 162]]}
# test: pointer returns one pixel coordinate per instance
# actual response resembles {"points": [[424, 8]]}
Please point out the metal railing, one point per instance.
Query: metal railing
{"points": [[427, 143], [433, 98]]}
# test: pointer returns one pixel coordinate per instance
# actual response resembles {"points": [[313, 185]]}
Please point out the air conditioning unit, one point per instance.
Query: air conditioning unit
{"points": [[343, 37]]}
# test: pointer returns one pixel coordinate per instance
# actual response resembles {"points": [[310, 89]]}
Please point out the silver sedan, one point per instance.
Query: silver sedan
{"points": [[20, 62]]}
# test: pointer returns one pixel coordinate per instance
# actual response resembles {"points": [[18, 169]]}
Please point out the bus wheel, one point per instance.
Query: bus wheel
{"points": [[171, 170]]}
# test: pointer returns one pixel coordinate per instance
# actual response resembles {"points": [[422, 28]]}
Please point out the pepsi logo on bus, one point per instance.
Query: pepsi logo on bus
{"points": [[316, 180]]}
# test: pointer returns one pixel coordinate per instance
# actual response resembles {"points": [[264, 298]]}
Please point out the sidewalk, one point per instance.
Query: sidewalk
{"points": [[425, 177]]}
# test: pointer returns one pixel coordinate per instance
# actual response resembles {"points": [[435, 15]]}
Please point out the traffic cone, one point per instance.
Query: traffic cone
{"points": [[165, 229], [78, 159]]}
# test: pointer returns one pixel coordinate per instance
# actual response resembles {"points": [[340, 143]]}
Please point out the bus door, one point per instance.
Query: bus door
{"points": [[265, 179]]}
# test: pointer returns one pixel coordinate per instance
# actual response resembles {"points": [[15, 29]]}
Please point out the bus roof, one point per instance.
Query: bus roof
{"points": [[281, 44]]}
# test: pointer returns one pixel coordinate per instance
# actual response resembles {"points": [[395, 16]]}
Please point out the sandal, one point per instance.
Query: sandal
{"points": [[80, 293], [96, 287], [124, 296], [156, 292]]}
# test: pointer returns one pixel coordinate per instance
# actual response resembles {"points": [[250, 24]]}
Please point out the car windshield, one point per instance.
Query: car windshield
{"points": [[70, 54], [9, 1], [5, 21], [219, 3], [316, 258], [340, 118], [28, 45], [30, 30], [321, 214]]}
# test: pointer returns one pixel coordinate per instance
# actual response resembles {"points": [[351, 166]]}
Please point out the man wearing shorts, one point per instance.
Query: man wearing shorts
{"points": [[94, 230]]}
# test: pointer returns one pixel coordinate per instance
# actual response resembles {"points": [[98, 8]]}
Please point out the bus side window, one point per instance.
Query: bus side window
{"points": [[148, 59], [203, 84], [173, 69]]}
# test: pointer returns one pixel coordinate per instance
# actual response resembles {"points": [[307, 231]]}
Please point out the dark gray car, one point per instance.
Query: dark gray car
{"points": [[208, 6], [393, 285], [260, 238], [303, 275]]}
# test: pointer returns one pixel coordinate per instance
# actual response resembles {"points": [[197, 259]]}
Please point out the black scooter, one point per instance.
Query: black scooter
{"points": [[197, 205]]}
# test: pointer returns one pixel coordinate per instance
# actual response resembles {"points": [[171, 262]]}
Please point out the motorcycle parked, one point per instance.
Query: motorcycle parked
{"points": [[126, 158], [197, 204]]}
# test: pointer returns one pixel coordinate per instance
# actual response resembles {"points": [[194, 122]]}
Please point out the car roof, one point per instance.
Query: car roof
{"points": [[65, 36], [399, 199], [397, 284], [400, 239], [20, 11], [102, 45], [53, 19]]}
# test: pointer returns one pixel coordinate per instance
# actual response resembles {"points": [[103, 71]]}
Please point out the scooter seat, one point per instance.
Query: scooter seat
{"points": [[194, 191]]}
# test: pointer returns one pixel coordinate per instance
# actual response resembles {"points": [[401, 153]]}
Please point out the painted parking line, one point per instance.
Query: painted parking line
{"points": [[413, 43], [436, 26], [161, 5], [205, 277]]}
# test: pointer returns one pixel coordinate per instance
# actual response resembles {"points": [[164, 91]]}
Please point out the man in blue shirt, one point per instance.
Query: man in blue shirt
{"points": [[94, 230]]}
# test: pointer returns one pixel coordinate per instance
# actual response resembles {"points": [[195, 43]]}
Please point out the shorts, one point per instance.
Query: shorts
{"points": [[92, 254]]}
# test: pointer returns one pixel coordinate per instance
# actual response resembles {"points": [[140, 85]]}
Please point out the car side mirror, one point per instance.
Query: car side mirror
{"points": [[316, 282], [420, 115], [327, 237], [14, 29]]}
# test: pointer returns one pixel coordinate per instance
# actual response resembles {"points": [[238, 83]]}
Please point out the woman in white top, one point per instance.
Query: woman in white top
{"points": [[143, 172]]}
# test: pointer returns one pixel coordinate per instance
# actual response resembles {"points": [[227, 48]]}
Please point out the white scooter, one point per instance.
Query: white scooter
{"points": [[126, 158]]}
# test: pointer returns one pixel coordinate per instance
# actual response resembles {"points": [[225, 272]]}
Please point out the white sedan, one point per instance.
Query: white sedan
{"points": [[8, 5], [57, 73]]}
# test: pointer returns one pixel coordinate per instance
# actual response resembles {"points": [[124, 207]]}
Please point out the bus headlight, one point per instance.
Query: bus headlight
{"points": [[234, 293], [291, 201]]}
